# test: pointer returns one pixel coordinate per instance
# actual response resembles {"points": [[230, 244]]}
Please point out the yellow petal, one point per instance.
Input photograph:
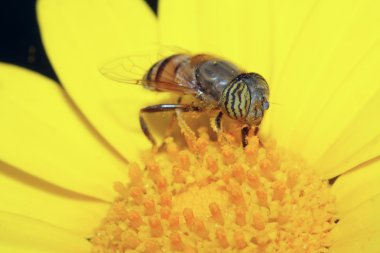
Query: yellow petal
{"points": [[359, 230], [179, 24], [19, 234], [239, 31], [288, 20], [329, 84], [42, 134], [31, 197], [363, 243], [355, 187], [80, 37], [358, 142]]}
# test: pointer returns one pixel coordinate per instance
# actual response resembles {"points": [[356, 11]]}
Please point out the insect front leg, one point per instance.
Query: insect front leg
{"points": [[244, 135], [163, 108], [245, 132], [256, 132], [218, 121], [216, 124]]}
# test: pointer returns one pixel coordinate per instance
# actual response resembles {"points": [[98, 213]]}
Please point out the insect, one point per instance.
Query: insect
{"points": [[216, 85]]}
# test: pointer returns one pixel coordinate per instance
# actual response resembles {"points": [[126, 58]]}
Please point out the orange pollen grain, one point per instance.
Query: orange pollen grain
{"points": [[218, 197]]}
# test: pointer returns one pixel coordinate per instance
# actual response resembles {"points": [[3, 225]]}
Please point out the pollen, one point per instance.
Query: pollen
{"points": [[215, 196]]}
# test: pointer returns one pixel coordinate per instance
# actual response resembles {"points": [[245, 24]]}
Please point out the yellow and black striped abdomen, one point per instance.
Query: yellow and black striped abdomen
{"points": [[235, 100]]}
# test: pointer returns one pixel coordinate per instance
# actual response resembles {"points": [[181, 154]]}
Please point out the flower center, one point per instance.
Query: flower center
{"points": [[219, 197]]}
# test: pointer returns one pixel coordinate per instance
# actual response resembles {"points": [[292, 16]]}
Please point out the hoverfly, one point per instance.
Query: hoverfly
{"points": [[216, 84]]}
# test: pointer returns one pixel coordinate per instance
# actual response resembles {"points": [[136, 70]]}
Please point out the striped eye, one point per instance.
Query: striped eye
{"points": [[236, 99]]}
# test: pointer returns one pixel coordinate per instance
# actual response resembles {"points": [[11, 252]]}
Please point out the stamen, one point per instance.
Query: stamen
{"points": [[239, 240], [137, 194], [149, 207], [174, 221], [222, 238], [200, 229], [212, 165], [131, 241], [166, 199], [176, 242], [240, 216], [189, 217], [165, 212], [258, 221], [228, 155], [135, 174], [216, 213], [151, 246], [135, 220], [238, 173], [219, 197], [156, 229]]}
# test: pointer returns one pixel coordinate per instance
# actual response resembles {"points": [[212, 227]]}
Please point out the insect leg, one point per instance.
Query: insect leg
{"points": [[218, 121], [256, 132], [244, 134], [163, 108], [170, 128], [145, 129]]}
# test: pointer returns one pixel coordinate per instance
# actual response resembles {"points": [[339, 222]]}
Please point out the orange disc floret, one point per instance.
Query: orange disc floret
{"points": [[218, 197]]}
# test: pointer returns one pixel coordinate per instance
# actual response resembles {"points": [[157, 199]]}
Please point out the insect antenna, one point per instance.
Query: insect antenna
{"points": [[274, 103]]}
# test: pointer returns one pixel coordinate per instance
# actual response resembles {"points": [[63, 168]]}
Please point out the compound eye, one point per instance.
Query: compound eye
{"points": [[236, 99], [265, 104]]}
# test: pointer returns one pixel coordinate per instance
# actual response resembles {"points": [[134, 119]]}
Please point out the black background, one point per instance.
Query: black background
{"points": [[20, 41]]}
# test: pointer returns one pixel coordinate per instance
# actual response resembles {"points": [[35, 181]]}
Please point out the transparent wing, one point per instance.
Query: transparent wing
{"points": [[132, 69], [129, 69]]}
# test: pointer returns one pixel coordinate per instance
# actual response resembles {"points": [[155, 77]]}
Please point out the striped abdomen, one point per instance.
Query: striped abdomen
{"points": [[185, 74], [164, 73]]}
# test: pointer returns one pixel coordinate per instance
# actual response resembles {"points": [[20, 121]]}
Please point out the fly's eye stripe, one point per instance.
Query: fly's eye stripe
{"points": [[236, 100], [230, 100]]}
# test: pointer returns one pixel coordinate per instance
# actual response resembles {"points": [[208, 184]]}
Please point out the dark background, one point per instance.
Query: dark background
{"points": [[20, 41]]}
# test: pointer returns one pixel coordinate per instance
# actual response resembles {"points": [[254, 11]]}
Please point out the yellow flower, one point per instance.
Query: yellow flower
{"points": [[62, 150]]}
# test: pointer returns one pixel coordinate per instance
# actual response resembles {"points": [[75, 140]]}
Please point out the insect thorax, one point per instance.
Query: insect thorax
{"points": [[214, 75]]}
